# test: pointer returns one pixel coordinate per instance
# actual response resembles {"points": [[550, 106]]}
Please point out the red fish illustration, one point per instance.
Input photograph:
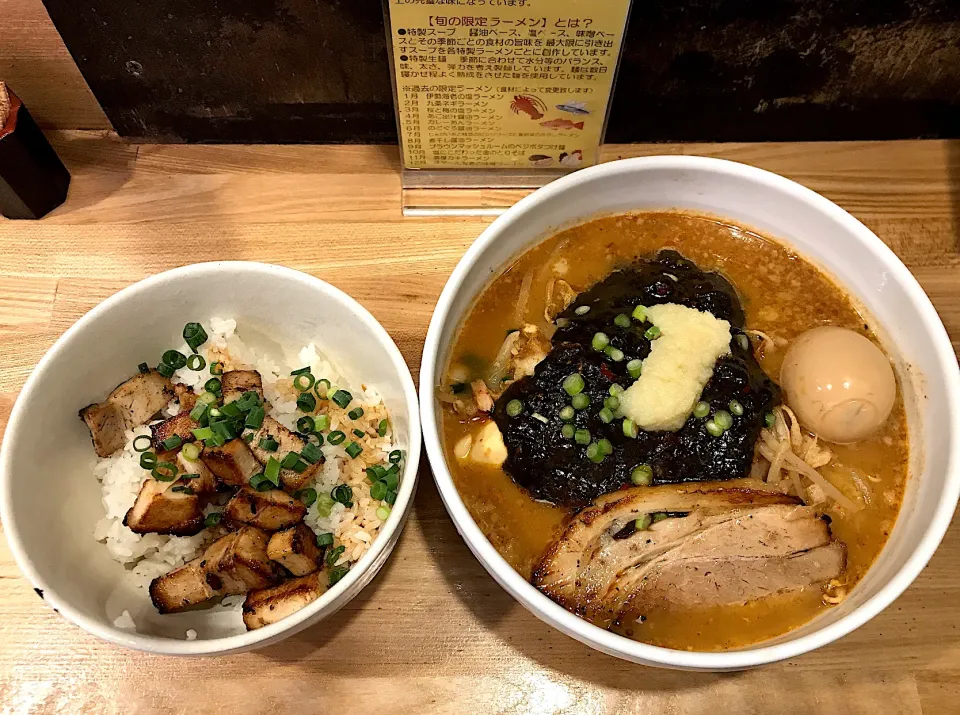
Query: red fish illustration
{"points": [[561, 124], [532, 106]]}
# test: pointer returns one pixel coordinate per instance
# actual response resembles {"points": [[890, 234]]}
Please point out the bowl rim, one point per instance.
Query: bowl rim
{"points": [[302, 618], [554, 614]]}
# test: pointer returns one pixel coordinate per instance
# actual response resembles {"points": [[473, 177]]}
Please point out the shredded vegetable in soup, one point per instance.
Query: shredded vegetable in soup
{"points": [[677, 429]]}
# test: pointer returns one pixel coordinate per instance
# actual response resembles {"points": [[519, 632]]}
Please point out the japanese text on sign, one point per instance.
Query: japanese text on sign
{"points": [[504, 83]]}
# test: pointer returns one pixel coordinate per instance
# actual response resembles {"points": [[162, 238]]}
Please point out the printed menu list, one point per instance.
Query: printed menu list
{"points": [[514, 84]]}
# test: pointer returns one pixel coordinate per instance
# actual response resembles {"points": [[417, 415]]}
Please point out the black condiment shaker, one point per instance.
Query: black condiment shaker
{"points": [[33, 180]]}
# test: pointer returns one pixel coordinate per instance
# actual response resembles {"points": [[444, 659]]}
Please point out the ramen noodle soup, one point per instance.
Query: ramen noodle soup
{"points": [[677, 429]]}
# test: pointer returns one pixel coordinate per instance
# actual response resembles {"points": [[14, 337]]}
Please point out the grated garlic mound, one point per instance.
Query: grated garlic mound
{"points": [[679, 365]]}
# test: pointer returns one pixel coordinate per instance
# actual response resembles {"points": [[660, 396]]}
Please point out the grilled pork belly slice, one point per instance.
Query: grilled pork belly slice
{"points": [[238, 562], [182, 588], [185, 396], [159, 509], [235, 382], [289, 442], [196, 475], [271, 510], [130, 405], [295, 549], [261, 608], [181, 425], [705, 546], [232, 464]]}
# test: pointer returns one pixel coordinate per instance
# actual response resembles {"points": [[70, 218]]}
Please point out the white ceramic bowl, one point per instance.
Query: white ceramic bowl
{"points": [[49, 498], [814, 227]]}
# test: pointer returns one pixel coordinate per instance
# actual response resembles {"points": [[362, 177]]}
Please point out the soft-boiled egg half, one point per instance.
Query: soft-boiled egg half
{"points": [[840, 385]]}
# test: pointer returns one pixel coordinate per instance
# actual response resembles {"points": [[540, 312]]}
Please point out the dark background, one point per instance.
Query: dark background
{"points": [[693, 70]]}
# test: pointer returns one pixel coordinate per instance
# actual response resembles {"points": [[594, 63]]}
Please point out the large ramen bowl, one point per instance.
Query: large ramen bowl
{"points": [[829, 237]]}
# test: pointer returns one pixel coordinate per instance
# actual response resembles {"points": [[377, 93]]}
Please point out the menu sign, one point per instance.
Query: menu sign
{"points": [[518, 84]]}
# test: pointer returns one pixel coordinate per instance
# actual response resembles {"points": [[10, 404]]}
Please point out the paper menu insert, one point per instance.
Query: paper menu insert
{"points": [[511, 84]]}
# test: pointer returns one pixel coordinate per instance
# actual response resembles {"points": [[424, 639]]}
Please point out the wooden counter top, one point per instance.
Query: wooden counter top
{"points": [[433, 632]]}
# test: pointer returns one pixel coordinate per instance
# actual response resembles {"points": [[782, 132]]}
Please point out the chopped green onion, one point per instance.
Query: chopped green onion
{"points": [[303, 382], [269, 444], [630, 429], [769, 420], [594, 454], [198, 411], [336, 575], [334, 555], [306, 424], [359, 433], [261, 483], [378, 472], [336, 437], [634, 368], [612, 402], [582, 309], [164, 471], [599, 342], [392, 477], [606, 446], [391, 498], [343, 493], [582, 436], [580, 401], [322, 422], [215, 441], [639, 313], [255, 418], [395, 456], [306, 402], [324, 540], [616, 390], [272, 470], [202, 433], [342, 398], [314, 438], [174, 358], [643, 523], [165, 369], [301, 371], [660, 516], [539, 418], [307, 496], [231, 409], [573, 384], [171, 442], [567, 413], [606, 415], [652, 333], [743, 341], [183, 488], [701, 409], [383, 512], [196, 362], [324, 505], [213, 385], [142, 446], [191, 451], [216, 368], [213, 518], [289, 459], [622, 320], [642, 475], [143, 368], [561, 322], [216, 413], [207, 398], [723, 419], [615, 354], [713, 428], [248, 400], [356, 413], [378, 490], [736, 408], [148, 460], [194, 335], [567, 431], [321, 388], [382, 428], [354, 450], [248, 438], [514, 408]]}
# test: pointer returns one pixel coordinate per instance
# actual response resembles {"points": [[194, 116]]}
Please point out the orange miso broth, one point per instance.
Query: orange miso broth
{"points": [[782, 296]]}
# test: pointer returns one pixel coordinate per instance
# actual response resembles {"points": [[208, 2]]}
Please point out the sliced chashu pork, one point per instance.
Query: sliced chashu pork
{"points": [[130, 405], [717, 546]]}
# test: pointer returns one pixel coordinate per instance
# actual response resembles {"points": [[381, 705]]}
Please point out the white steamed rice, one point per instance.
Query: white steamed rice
{"points": [[150, 555]]}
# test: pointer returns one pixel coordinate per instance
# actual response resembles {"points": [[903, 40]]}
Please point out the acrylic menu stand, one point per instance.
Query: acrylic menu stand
{"points": [[483, 114]]}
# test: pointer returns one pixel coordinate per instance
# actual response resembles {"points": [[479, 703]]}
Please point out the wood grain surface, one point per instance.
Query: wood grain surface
{"points": [[433, 632]]}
